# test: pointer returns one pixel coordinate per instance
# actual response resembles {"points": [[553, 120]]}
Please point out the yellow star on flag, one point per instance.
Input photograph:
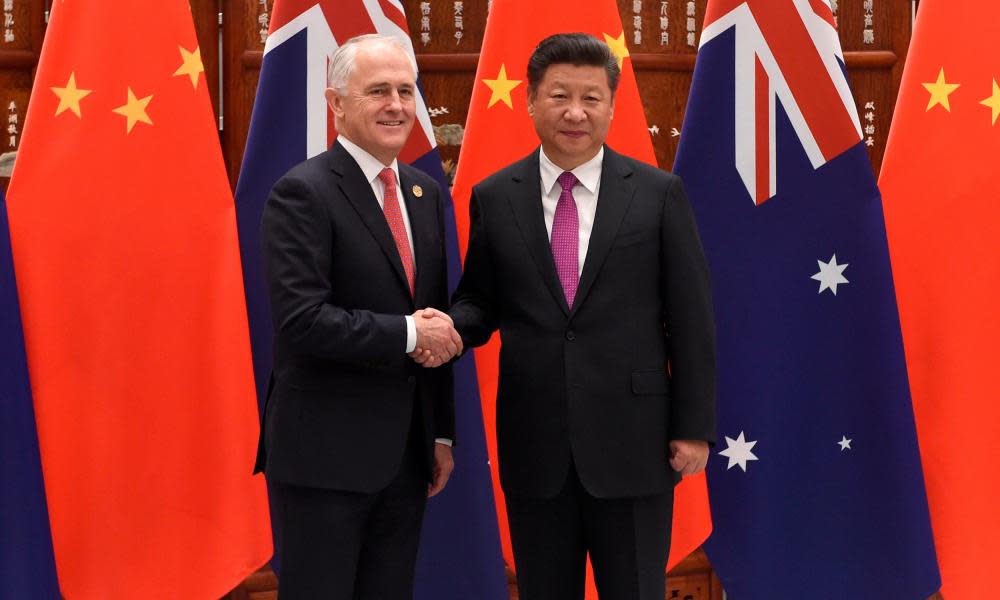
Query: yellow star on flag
{"points": [[134, 110], [70, 96], [191, 66], [940, 90], [994, 101], [618, 47], [501, 88]]}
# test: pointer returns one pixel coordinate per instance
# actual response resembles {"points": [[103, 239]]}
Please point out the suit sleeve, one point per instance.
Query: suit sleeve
{"points": [[690, 322], [297, 238], [444, 407], [474, 302]]}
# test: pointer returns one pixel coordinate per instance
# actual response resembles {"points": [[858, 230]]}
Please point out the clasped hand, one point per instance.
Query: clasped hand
{"points": [[437, 340]]}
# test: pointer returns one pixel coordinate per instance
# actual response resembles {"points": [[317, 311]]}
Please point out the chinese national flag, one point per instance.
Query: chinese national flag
{"points": [[940, 182], [499, 132], [124, 239]]}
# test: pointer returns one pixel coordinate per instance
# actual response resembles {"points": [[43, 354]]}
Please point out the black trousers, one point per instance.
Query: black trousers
{"points": [[627, 538], [338, 545]]}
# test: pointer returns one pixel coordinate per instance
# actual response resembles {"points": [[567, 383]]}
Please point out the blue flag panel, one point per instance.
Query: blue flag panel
{"points": [[27, 564], [816, 486]]}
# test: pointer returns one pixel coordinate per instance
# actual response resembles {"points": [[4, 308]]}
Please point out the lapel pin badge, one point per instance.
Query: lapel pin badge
{"points": [[418, 191]]}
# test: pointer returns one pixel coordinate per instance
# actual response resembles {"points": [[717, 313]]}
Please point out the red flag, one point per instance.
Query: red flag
{"points": [[940, 184], [124, 239], [499, 132]]}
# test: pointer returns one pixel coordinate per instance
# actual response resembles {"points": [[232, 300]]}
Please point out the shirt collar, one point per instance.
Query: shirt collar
{"points": [[588, 174], [370, 165]]}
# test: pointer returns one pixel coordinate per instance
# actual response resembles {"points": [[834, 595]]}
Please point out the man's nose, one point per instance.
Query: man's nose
{"points": [[575, 113], [394, 101]]}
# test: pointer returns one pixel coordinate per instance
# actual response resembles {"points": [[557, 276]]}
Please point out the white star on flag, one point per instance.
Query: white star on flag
{"points": [[845, 443], [830, 275], [738, 451]]}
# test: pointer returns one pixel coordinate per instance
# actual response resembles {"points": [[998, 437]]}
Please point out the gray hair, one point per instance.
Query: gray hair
{"points": [[342, 61]]}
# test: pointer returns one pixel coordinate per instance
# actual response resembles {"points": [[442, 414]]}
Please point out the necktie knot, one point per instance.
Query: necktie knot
{"points": [[388, 177], [567, 180]]}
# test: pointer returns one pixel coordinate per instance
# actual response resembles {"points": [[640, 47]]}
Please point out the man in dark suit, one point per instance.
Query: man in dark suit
{"points": [[589, 263], [356, 436]]}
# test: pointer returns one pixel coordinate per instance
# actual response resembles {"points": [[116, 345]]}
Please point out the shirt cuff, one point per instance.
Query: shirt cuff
{"points": [[444, 441], [411, 334]]}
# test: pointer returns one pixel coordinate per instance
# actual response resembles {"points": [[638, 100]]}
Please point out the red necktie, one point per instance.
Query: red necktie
{"points": [[394, 216]]}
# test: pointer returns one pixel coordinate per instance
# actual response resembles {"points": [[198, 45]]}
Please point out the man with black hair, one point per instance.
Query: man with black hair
{"points": [[589, 264]]}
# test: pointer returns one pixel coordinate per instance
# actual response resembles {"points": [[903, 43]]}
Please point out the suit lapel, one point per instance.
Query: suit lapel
{"points": [[358, 192], [526, 203], [612, 204], [422, 223]]}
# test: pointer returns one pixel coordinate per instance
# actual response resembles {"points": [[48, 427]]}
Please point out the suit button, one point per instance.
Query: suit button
{"points": [[570, 335], [411, 379]]}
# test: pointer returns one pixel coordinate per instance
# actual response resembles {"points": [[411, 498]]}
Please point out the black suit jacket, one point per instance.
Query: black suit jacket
{"points": [[339, 407], [590, 382]]}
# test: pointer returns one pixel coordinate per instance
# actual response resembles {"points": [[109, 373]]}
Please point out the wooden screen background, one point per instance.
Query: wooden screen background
{"points": [[875, 35]]}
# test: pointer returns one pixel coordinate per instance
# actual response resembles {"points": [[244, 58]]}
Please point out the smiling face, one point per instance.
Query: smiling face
{"points": [[376, 109], [572, 109]]}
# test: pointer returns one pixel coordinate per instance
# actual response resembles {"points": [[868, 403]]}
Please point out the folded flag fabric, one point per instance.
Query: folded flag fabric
{"points": [[940, 183], [124, 240], [27, 566], [816, 487]]}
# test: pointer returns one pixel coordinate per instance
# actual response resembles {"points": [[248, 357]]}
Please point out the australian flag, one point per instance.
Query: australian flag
{"points": [[27, 563], [816, 486], [460, 547]]}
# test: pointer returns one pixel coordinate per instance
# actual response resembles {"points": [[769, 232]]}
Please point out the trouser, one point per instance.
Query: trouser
{"points": [[627, 539], [339, 545]]}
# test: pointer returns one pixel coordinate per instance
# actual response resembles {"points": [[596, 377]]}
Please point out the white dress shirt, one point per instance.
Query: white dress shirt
{"points": [[585, 193], [371, 167]]}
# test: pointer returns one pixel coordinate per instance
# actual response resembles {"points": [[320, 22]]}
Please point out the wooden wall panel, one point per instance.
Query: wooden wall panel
{"points": [[448, 126], [23, 27], [243, 33], [206, 25], [442, 15]]}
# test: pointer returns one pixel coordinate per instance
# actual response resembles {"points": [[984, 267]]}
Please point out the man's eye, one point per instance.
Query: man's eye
{"points": [[406, 92], [378, 92]]}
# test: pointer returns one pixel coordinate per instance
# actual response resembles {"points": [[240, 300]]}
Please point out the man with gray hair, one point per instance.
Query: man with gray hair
{"points": [[356, 435]]}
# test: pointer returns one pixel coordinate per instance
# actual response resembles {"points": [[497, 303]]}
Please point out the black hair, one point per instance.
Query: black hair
{"points": [[578, 49]]}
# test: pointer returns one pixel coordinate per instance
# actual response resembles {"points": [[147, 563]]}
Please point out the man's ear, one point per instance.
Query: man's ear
{"points": [[335, 101], [531, 103]]}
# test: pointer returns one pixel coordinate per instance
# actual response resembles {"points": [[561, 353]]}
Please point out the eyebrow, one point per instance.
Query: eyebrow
{"points": [[387, 83], [565, 83]]}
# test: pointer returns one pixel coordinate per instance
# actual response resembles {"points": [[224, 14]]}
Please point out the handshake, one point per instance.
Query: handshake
{"points": [[437, 340]]}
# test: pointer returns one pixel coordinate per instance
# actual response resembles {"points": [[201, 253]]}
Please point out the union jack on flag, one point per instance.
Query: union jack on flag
{"points": [[460, 546], [789, 52]]}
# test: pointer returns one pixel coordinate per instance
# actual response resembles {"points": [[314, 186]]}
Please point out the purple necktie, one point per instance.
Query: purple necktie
{"points": [[566, 238]]}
